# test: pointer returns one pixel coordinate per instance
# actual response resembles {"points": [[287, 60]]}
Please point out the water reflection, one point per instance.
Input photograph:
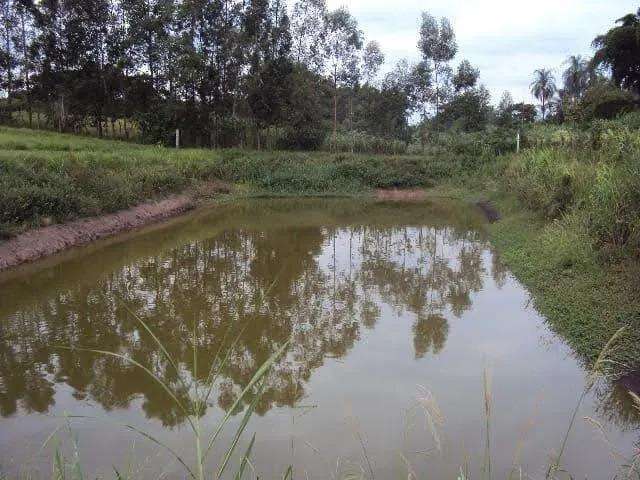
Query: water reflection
{"points": [[319, 279], [318, 284]]}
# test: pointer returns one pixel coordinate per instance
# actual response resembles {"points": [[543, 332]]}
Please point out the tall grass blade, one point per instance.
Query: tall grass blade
{"points": [[243, 424], [59, 468], [256, 378], [288, 474], [487, 412], [213, 371], [146, 435], [245, 459], [596, 373], [130, 360], [77, 468], [158, 342]]}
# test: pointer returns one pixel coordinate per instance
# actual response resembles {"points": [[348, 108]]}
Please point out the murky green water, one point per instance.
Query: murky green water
{"points": [[391, 308]]}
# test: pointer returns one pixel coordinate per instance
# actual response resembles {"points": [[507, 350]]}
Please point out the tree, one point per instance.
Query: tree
{"points": [[25, 43], [372, 60], [307, 107], [8, 51], [421, 80], [213, 68], [618, 50], [576, 77], [504, 113], [468, 111], [603, 99], [403, 79], [269, 87], [524, 113], [543, 88], [510, 114], [437, 44], [307, 31], [343, 41], [466, 76]]}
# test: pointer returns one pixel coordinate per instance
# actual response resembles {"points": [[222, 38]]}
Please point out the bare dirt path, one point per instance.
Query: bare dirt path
{"points": [[41, 242]]}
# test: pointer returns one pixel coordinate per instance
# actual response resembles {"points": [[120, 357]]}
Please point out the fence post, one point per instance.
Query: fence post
{"points": [[518, 142], [177, 138]]}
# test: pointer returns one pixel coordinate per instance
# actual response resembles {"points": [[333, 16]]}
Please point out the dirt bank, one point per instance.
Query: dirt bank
{"points": [[41, 242], [401, 194]]}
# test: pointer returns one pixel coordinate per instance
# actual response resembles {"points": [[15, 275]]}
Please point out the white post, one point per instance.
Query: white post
{"points": [[177, 138], [518, 142]]}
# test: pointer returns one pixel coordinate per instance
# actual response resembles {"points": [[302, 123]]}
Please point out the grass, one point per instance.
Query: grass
{"points": [[47, 177], [570, 228], [585, 294]]}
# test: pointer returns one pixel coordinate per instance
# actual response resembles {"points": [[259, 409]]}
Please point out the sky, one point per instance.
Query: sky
{"points": [[506, 39]]}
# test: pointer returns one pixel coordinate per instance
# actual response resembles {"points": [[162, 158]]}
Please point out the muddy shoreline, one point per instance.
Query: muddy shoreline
{"points": [[42, 242]]}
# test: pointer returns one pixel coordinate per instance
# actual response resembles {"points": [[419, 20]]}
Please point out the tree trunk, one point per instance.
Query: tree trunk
{"points": [[335, 119], [351, 122], [25, 71], [437, 90], [61, 120]]}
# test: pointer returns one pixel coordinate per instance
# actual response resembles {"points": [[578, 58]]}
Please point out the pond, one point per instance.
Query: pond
{"points": [[396, 312]]}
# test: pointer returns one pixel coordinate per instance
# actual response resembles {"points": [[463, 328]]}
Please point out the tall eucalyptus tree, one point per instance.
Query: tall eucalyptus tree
{"points": [[437, 45], [343, 40]]}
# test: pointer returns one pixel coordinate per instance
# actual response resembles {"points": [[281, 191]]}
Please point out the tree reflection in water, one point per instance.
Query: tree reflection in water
{"points": [[313, 276]]}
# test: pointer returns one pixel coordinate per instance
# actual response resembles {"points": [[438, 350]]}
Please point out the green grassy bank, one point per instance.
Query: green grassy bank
{"points": [[570, 203], [570, 229], [54, 177]]}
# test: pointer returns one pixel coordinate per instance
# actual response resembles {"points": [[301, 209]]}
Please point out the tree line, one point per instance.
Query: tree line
{"points": [[263, 73], [225, 71]]}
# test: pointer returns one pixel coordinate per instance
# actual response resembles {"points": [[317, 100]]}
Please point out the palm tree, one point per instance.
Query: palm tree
{"points": [[543, 87], [576, 76]]}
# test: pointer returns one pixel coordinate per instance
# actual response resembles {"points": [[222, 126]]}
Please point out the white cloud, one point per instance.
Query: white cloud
{"points": [[506, 39]]}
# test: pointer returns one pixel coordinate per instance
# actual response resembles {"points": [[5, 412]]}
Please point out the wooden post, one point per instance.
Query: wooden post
{"points": [[518, 142], [177, 138]]}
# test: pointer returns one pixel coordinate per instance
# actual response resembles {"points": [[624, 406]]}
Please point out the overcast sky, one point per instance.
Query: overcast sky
{"points": [[506, 39]]}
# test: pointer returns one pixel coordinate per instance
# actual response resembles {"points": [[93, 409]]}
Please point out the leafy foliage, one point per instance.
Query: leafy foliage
{"points": [[618, 50]]}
